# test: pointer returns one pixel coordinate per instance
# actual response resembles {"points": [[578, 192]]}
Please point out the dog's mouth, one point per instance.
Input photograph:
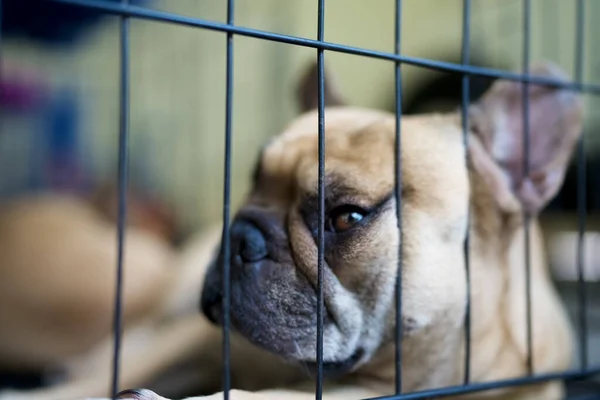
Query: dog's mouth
{"points": [[268, 320], [333, 369]]}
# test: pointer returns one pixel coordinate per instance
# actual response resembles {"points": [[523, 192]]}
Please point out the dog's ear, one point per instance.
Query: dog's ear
{"points": [[555, 124], [307, 90]]}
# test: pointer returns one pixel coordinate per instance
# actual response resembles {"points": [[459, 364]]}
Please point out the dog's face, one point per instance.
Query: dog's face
{"points": [[274, 235]]}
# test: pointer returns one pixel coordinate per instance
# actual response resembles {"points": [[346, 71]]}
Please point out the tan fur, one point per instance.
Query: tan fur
{"points": [[439, 189], [57, 279]]}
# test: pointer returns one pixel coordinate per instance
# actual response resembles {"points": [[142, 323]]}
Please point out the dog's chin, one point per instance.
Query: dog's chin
{"points": [[284, 325], [289, 351], [335, 369]]}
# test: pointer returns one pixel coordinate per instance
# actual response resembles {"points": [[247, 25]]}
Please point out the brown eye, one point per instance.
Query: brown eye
{"points": [[344, 218]]}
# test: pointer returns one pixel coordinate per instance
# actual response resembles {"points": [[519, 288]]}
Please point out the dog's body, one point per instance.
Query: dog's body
{"points": [[57, 281], [274, 257]]}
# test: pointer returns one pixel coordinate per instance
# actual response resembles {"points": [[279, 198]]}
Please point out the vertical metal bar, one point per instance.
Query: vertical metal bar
{"points": [[226, 240], [526, 152], [321, 194], [466, 87], [122, 194], [581, 194], [398, 193]]}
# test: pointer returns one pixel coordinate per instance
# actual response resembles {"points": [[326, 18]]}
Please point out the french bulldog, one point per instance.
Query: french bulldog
{"points": [[448, 190]]}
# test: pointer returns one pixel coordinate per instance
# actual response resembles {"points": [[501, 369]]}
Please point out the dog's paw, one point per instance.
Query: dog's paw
{"points": [[139, 394], [145, 394]]}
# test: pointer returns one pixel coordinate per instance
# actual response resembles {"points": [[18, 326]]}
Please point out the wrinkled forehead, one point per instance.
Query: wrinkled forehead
{"points": [[360, 154]]}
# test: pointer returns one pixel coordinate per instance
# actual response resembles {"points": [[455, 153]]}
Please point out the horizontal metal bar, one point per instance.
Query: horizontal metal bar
{"points": [[505, 383], [161, 16]]}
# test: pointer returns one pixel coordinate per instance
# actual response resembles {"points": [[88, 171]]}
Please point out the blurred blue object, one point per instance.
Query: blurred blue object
{"points": [[64, 169], [50, 23], [40, 144]]}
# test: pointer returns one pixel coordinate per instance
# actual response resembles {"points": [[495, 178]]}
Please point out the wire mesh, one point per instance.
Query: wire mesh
{"points": [[126, 11]]}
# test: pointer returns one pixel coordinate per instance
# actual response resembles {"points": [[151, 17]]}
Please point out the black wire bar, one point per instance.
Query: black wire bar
{"points": [[526, 168], [581, 196], [321, 195], [226, 238], [122, 195], [465, 100], [398, 193], [574, 375]]}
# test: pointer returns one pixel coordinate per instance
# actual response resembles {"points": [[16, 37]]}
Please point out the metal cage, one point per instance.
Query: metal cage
{"points": [[126, 12]]}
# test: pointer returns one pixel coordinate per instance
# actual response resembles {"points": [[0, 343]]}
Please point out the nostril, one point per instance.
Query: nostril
{"points": [[254, 248], [249, 242]]}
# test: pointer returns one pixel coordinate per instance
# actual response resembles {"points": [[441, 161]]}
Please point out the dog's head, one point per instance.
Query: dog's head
{"points": [[274, 235]]}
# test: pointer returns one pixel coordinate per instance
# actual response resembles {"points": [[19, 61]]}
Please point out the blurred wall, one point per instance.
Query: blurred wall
{"points": [[178, 77]]}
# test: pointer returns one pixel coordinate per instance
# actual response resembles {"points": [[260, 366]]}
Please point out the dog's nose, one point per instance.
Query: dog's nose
{"points": [[248, 242]]}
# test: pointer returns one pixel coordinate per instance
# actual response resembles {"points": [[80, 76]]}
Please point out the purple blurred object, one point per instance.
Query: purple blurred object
{"points": [[21, 92]]}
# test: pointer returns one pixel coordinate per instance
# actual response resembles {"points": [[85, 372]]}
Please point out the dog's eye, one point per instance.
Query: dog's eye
{"points": [[345, 217]]}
